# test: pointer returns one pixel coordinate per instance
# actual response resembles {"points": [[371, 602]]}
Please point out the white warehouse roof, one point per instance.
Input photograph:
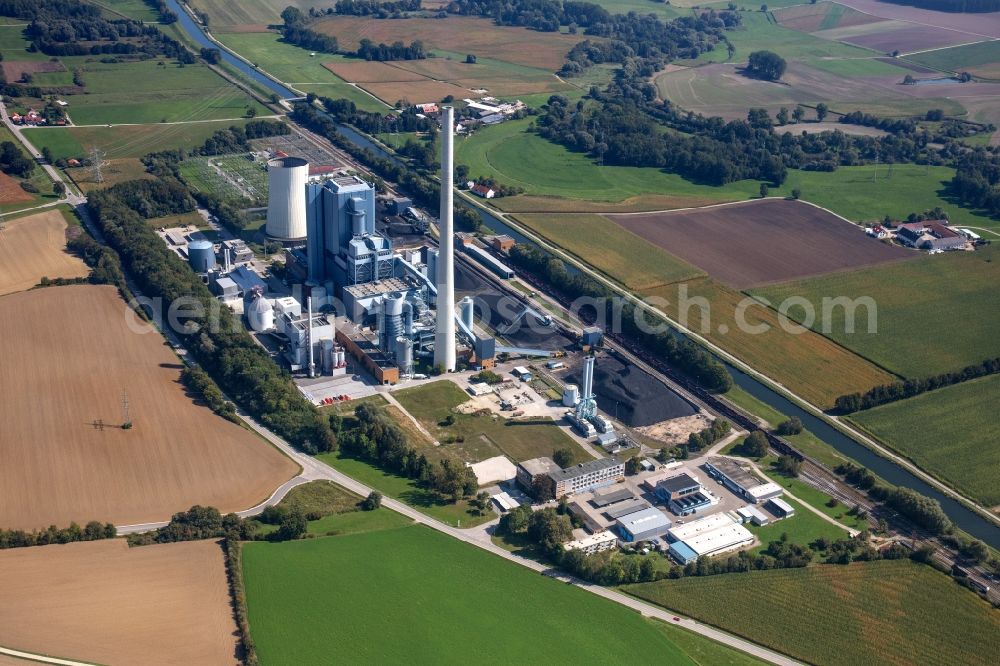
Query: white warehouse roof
{"points": [[700, 526], [720, 540], [765, 490], [595, 539]]}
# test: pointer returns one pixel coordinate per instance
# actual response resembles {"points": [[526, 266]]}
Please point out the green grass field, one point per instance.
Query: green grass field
{"points": [[416, 596], [893, 612], [458, 514], [136, 9], [982, 59], [514, 156], [13, 45], [931, 311], [125, 140], [146, 92], [293, 65], [225, 13], [950, 432], [803, 528], [485, 436]]}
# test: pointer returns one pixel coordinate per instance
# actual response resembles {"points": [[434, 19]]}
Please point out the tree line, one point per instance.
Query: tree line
{"points": [[923, 511], [225, 350], [901, 390], [376, 439], [977, 180], [13, 161], [683, 354], [710, 435], [374, 8], [369, 50], [92, 531]]}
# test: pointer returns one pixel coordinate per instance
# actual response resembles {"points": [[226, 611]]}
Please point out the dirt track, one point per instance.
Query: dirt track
{"points": [[34, 247], [67, 357], [759, 242], [106, 603]]}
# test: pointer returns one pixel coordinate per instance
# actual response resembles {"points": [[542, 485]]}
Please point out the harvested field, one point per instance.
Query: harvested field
{"points": [[363, 71], [417, 92], [908, 38], [13, 70], [34, 247], [645, 202], [621, 255], [457, 34], [11, 191], [759, 242], [983, 24], [631, 394], [106, 603], [227, 15], [793, 359], [60, 380], [821, 16]]}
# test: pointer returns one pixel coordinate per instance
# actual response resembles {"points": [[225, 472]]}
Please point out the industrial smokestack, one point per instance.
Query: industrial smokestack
{"points": [[309, 337], [588, 378], [444, 338]]}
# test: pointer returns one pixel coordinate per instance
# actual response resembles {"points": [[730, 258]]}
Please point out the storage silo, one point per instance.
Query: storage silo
{"points": [[201, 254], [327, 356], [404, 355], [260, 314], [467, 310], [286, 202], [571, 395]]}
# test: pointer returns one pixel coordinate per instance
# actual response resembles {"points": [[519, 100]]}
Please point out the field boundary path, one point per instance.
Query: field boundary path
{"points": [[638, 302], [41, 658]]}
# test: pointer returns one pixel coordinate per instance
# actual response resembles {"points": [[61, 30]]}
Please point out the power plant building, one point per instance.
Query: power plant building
{"points": [[286, 203]]}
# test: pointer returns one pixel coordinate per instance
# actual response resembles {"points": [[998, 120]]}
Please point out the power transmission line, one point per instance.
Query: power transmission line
{"points": [[97, 164]]}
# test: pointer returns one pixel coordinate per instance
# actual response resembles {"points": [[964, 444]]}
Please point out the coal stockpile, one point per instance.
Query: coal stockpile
{"points": [[530, 332], [632, 395]]}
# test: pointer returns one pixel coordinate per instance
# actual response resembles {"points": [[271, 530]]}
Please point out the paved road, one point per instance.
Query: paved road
{"points": [[30, 656]]}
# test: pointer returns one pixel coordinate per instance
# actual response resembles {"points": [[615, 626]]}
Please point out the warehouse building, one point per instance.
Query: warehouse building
{"points": [[711, 535], [780, 507], [742, 481], [643, 525], [595, 543], [683, 494]]}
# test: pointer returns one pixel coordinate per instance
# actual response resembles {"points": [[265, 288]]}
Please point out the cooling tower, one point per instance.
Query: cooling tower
{"points": [[286, 202], [444, 334]]}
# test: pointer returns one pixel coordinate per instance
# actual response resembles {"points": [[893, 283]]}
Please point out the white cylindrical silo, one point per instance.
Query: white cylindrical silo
{"points": [[404, 355], [286, 203], [201, 254], [260, 314], [571, 395], [467, 311]]}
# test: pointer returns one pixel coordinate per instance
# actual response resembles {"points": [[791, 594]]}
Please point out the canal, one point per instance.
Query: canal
{"points": [[965, 518]]}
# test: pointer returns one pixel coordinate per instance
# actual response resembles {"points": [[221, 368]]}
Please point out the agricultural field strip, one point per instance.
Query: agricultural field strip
{"points": [[854, 433], [317, 469]]}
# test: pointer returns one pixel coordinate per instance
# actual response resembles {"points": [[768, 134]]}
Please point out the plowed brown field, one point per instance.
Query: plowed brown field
{"points": [[68, 355], [759, 242], [34, 247], [106, 603]]}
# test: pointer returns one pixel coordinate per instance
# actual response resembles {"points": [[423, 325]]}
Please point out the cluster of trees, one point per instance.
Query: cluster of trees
{"points": [[13, 162], [237, 139], [969, 6], [105, 268], [375, 8], [792, 426], [216, 338], [891, 125], [684, 355], [408, 119], [424, 191], [710, 435], [199, 383], [295, 32], [754, 445], [880, 395], [167, 15], [977, 180], [766, 65], [382, 52], [376, 439], [923, 511], [92, 531], [788, 465], [195, 524]]}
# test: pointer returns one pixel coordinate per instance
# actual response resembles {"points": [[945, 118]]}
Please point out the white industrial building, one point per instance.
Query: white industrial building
{"points": [[707, 536], [643, 525]]}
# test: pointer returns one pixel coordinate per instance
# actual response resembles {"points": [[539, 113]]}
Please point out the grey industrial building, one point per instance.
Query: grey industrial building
{"points": [[642, 525], [741, 481]]}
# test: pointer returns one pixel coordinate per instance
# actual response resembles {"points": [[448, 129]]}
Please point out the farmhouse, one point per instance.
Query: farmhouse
{"points": [[930, 235], [483, 191]]}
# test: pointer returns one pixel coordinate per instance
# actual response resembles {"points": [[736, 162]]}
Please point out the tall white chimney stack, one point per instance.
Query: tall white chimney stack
{"points": [[309, 336], [444, 338]]}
